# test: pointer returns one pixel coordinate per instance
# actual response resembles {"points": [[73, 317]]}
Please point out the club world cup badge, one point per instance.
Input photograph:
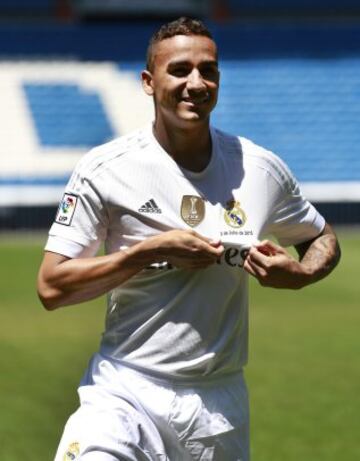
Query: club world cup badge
{"points": [[72, 452], [234, 215], [192, 210]]}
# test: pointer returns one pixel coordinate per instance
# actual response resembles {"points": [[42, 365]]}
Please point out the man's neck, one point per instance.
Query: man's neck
{"points": [[189, 147]]}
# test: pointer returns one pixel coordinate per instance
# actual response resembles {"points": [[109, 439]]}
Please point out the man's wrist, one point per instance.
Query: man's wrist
{"points": [[306, 275], [141, 255]]}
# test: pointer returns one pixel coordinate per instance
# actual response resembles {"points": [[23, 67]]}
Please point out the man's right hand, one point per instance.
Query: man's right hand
{"points": [[185, 249], [63, 281]]}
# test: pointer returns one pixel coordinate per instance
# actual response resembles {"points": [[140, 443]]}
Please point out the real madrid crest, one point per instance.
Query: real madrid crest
{"points": [[72, 452], [234, 216], [192, 210]]}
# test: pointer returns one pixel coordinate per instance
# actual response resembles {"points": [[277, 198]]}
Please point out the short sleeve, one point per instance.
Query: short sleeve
{"points": [[293, 219], [81, 220]]}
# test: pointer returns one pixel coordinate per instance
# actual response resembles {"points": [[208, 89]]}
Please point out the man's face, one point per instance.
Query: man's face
{"points": [[184, 80]]}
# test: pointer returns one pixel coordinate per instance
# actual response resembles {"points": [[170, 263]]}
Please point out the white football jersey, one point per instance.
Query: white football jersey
{"points": [[178, 323]]}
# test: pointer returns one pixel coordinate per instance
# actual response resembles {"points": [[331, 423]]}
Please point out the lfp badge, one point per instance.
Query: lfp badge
{"points": [[66, 209]]}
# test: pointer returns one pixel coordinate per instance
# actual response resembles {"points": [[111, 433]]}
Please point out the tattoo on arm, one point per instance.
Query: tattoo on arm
{"points": [[321, 255]]}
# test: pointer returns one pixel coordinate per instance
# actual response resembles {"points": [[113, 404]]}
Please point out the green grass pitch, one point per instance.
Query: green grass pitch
{"points": [[303, 372]]}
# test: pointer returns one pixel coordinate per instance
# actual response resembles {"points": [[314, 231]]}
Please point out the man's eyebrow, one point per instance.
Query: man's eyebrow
{"points": [[184, 62], [210, 62], [179, 62]]}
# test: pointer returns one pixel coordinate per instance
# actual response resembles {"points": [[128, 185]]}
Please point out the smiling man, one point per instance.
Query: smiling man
{"points": [[182, 208], [183, 77]]}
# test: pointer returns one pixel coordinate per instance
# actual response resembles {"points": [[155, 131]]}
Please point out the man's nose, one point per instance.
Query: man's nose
{"points": [[195, 81]]}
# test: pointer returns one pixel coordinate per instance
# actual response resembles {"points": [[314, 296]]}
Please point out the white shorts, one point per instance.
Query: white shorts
{"points": [[124, 415]]}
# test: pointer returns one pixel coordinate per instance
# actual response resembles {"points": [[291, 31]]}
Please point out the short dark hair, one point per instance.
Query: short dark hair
{"points": [[181, 26]]}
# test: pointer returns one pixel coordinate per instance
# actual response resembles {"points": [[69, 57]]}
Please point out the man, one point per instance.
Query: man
{"points": [[181, 208]]}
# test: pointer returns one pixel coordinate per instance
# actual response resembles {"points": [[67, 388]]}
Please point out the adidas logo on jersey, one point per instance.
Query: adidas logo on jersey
{"points": [[150, 207]]}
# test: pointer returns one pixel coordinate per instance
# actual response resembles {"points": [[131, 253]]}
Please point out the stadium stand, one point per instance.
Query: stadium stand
{"points": [[307, 110], [114, 9], [26, 7], [295, 6], [63, 114], [284, 10], [292, 87], [52, 112]]}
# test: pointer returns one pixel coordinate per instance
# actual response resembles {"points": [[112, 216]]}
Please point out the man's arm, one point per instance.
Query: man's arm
{"points": [[63, 281], [273, 266]]}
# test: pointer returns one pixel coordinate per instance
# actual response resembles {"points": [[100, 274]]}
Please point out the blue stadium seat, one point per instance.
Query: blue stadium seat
{"points": [[308, 111], [66, 115]]}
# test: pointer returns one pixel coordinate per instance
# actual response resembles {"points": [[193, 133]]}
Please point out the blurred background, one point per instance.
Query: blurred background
{"points": [[290, 81], [69, 80]]}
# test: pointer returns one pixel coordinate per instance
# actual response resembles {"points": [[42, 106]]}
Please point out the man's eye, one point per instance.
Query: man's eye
{"points": [[209, 72], [179, 71]]}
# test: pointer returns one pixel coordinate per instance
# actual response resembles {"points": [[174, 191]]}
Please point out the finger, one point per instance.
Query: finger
{"points": [[270, 248], [257, 257], [212, 257], [218, 250], [214, 242], [256, 270], [249, 269], [201, 251], [213, 251], [198, 236]]}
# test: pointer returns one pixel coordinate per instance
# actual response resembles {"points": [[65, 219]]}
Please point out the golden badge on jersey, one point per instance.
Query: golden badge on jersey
{"points": [[72, 452], [192, 210], [234, 215]]}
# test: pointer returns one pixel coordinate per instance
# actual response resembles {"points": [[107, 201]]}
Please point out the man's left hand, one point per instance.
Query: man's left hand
{"points": [[274, 267]]}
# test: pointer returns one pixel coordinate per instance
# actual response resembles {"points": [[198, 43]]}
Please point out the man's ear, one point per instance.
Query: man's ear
{"points": [[147, 82]]}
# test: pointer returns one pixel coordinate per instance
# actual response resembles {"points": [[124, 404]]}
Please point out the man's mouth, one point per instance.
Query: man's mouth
{"points": [[196, 101]]}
